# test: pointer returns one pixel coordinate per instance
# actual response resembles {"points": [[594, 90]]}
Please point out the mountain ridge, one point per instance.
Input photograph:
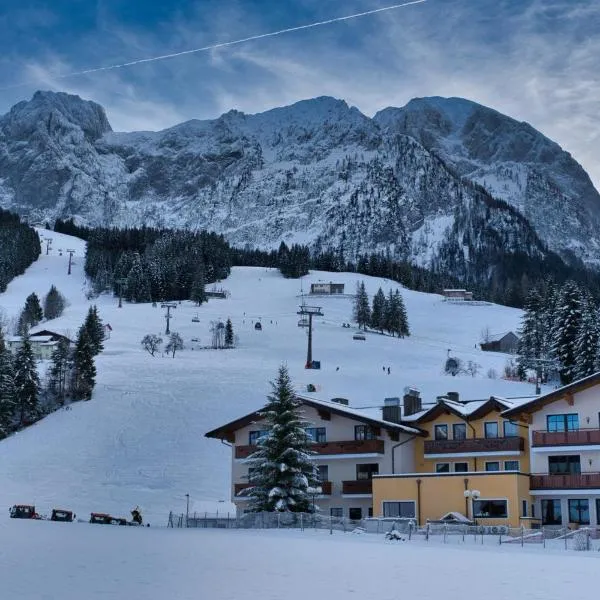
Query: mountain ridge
{"points": [[318, 171]]}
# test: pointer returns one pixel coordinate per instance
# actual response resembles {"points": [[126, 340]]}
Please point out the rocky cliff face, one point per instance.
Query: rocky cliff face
{"points": [[317, 172]]}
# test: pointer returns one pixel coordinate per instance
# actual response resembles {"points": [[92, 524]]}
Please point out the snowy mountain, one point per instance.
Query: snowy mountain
{"points": [[418, 181]]}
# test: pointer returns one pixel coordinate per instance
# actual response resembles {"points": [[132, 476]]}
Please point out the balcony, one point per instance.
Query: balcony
{"points": [[475, 445], [360, 486], [339, 448], [575, 481], [324, 485], [580, 437]]}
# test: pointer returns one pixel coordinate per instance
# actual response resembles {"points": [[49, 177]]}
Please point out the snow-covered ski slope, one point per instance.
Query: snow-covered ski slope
{"points": [[141, 438]]}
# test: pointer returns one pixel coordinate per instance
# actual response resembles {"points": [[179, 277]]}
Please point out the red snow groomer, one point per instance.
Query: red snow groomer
{"points": [[23, 511]]}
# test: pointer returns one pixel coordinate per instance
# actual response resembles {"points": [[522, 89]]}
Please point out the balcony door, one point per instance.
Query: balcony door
{"points": [[564, 465]]}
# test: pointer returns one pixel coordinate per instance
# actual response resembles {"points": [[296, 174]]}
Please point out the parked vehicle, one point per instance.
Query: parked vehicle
{"points": [[101, 518], [23, 511], [58, 514]]}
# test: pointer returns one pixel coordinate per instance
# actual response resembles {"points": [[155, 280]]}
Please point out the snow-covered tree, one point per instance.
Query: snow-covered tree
{"points": [[565, 330], [532, 334], [403, 328], [175, 343], [282, 466], [362, 310], [8, 404], [586, 345], [197, 291], [54, 304], [84, 370], [95, 329], [60, 370], [229, 338], [27, 384], [138, 287], [151, 343], [378, 311]]}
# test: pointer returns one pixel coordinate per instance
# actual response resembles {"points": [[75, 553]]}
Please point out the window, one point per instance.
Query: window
{"points": [[568, 422], [459, 431], [402, 510], [492, 509], [355, 514], [370, 513], [364, 432], [491, 429], [254, 436], [511, 465], [560, 465], [317, 434], [442, 468], [336, 512], [492, 466], [323, 472], [366, 471], [551, 512], [510, 429], [523, 508], [461, 467], [579, 511], [441, 432], [598, 511]]}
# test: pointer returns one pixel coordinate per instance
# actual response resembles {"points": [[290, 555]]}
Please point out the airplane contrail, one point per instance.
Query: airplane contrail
{"points": [[225, 44]]}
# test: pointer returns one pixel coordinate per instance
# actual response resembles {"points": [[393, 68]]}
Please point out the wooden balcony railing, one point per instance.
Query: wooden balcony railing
{"points": [[575, 481], [580, 437], [474, 445], [360, 486], [324, 485], [341, 448]]}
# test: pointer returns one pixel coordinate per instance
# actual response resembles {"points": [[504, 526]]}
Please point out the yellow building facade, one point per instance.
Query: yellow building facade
{"points": [[472, 461]]}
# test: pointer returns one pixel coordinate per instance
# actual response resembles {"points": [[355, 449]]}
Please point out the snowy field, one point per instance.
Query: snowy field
{"points": [[74, 561], [141, 438]]}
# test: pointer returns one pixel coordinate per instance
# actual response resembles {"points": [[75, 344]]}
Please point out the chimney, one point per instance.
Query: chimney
{"points": [[452, 396], [412, 402], [343, 401], [391, 410]]}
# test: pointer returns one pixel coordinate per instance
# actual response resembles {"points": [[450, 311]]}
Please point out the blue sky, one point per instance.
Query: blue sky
{"points": [[536, 60]]}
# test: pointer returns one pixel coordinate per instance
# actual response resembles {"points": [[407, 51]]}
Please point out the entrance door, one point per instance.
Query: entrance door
{"points": [[355, 514]]}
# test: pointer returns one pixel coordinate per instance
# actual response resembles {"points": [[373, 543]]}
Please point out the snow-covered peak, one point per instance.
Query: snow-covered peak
{"points": [[52, 110]]}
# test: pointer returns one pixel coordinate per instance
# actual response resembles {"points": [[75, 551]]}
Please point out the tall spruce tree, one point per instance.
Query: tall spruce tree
{"points": [[403, 327], [392, 314], [532, 334], [54, 304], [567, 322], [59, 371], [27, 384], [229, 339], [283, 470], [8, 405], [33, 309], [198, 289], [378, 311], [586, 345], [362, 310], [83, 377], [95, 329]]}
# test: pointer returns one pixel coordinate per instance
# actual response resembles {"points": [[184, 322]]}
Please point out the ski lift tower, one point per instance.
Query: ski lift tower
{"points": [[310, 312], [168, 317]]}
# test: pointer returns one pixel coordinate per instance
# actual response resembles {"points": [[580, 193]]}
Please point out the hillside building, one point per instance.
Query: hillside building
{"points": [[43, 343], [457, 295], [327, 288], [507, 342]]}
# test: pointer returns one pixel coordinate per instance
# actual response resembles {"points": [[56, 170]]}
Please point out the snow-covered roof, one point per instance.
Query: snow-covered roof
{"points": [[496, 337]]}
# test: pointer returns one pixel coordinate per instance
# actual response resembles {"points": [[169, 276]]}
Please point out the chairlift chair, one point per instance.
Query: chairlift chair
{"points": [[196, 318]]}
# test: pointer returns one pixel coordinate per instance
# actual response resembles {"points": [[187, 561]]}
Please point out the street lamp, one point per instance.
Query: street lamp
{"points": [[473, 495]]}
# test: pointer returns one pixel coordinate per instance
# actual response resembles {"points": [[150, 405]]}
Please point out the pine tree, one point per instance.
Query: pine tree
{"points": [[8, 405], [198, 291], [137, 288], [403, 328], [532, 332], [283, 470], [392, 314], [229, 340], [83, 377], [27, 384], [586, 346], [362, 310], [95, 329], [566, 326], [175, 343], [33, 310], [59, 371], [54, 304], [378, 311]]}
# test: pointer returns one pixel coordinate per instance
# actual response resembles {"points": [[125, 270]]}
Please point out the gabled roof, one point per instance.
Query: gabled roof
{"points": [[496, 337], [564, 392], [469, 411], [225, 432]]}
